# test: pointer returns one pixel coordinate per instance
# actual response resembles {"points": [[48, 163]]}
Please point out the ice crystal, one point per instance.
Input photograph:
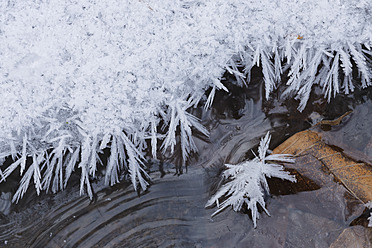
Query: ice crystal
{"points": [[79, 76], [246, 182]]}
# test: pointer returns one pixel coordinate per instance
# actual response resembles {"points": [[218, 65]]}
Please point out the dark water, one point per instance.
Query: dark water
{"points": [[171, 212]]}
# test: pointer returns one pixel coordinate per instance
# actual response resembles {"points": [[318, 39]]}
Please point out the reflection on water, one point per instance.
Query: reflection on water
{"points": [[171, 212]]}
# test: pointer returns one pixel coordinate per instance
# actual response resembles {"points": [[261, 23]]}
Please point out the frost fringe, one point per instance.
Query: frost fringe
{"points": [[77, 77]]}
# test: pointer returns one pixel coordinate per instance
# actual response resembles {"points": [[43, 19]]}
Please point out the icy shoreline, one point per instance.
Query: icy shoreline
{"points": [[76, 74]]}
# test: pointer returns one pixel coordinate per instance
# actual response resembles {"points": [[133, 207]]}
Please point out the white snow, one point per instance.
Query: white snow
{"points": [[75, 74]]}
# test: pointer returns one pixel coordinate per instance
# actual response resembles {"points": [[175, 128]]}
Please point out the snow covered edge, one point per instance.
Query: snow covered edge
{"points": [[77, 77]]}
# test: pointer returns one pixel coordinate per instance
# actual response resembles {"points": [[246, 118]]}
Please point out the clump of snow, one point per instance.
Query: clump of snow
{"points": [[247, 181], [79, 76]]}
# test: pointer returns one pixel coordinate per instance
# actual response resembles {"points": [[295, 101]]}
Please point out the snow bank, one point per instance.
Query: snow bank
{"points": [[77, 76]]}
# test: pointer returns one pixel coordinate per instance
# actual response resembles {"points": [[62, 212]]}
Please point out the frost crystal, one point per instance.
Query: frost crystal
{"points": [[247, 181], [79, 76]]}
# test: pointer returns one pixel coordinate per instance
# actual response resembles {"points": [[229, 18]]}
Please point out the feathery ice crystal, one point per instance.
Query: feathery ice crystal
{"points": [[247, 181], [80, 76]]}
